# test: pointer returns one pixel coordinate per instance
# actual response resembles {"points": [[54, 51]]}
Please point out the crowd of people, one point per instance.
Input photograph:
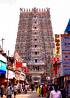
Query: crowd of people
{"points": [[8, 91], [43, 90], [50, 91], [11, 89]]}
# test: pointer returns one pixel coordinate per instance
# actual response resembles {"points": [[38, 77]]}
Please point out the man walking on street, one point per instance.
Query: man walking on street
{"points": [[9, 91], [1, 91], [55, 93]]}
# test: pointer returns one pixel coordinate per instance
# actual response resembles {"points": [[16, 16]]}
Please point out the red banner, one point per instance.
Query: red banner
{"points": [[18, 64], [25, 69]]}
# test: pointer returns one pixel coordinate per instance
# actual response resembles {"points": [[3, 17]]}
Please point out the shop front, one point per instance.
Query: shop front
{"points": [[3, 68], [64, 83], [10, 75]]}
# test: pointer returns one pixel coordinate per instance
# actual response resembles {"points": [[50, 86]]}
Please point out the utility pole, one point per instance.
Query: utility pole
{"points": [[7, 64], [7, 70], [2, 42]]}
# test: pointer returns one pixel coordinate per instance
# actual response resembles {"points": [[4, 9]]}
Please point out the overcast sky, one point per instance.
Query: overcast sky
{"points": [[9, 17]]}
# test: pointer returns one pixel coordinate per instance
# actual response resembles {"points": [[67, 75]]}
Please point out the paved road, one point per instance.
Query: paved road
{"points": [[28, 95]]}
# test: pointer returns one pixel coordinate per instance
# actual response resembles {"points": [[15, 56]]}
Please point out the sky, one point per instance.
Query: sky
{"points": [[9, 18]]}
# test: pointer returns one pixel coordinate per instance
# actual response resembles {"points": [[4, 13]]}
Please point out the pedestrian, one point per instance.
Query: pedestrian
{"points": [[9, 91], [26, 87], [48, 91], [41, 90], [44, 90], [32, 87], [55, 93], [15, 90], [23, 87], [1, 90], [38, 90], [63, 92]]}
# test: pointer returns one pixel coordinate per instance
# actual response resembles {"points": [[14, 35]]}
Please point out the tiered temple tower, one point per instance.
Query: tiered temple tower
{"points": [[34, 41]]}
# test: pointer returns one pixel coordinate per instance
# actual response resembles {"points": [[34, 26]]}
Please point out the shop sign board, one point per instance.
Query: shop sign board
{"points": [[3, 64], [3, 67], [65, 45]]}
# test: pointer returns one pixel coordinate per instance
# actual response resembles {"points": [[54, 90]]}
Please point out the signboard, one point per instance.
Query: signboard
{"points": [[2, 67], [65, 44], [2, 58]]}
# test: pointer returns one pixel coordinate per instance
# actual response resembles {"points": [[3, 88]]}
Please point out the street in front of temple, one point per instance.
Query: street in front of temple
{"points": [[28, 95]]}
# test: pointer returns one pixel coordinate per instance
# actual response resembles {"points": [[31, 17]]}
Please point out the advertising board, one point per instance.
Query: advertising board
{"points": [[65, 45], [3, 64], [2, 67]]}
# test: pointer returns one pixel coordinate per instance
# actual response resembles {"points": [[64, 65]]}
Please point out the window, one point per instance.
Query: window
{"points": [[35, 53], [35, 27], [35, 32], [35, 39], [35, 60], [35, 22], [35, 46], [38, 68]]}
